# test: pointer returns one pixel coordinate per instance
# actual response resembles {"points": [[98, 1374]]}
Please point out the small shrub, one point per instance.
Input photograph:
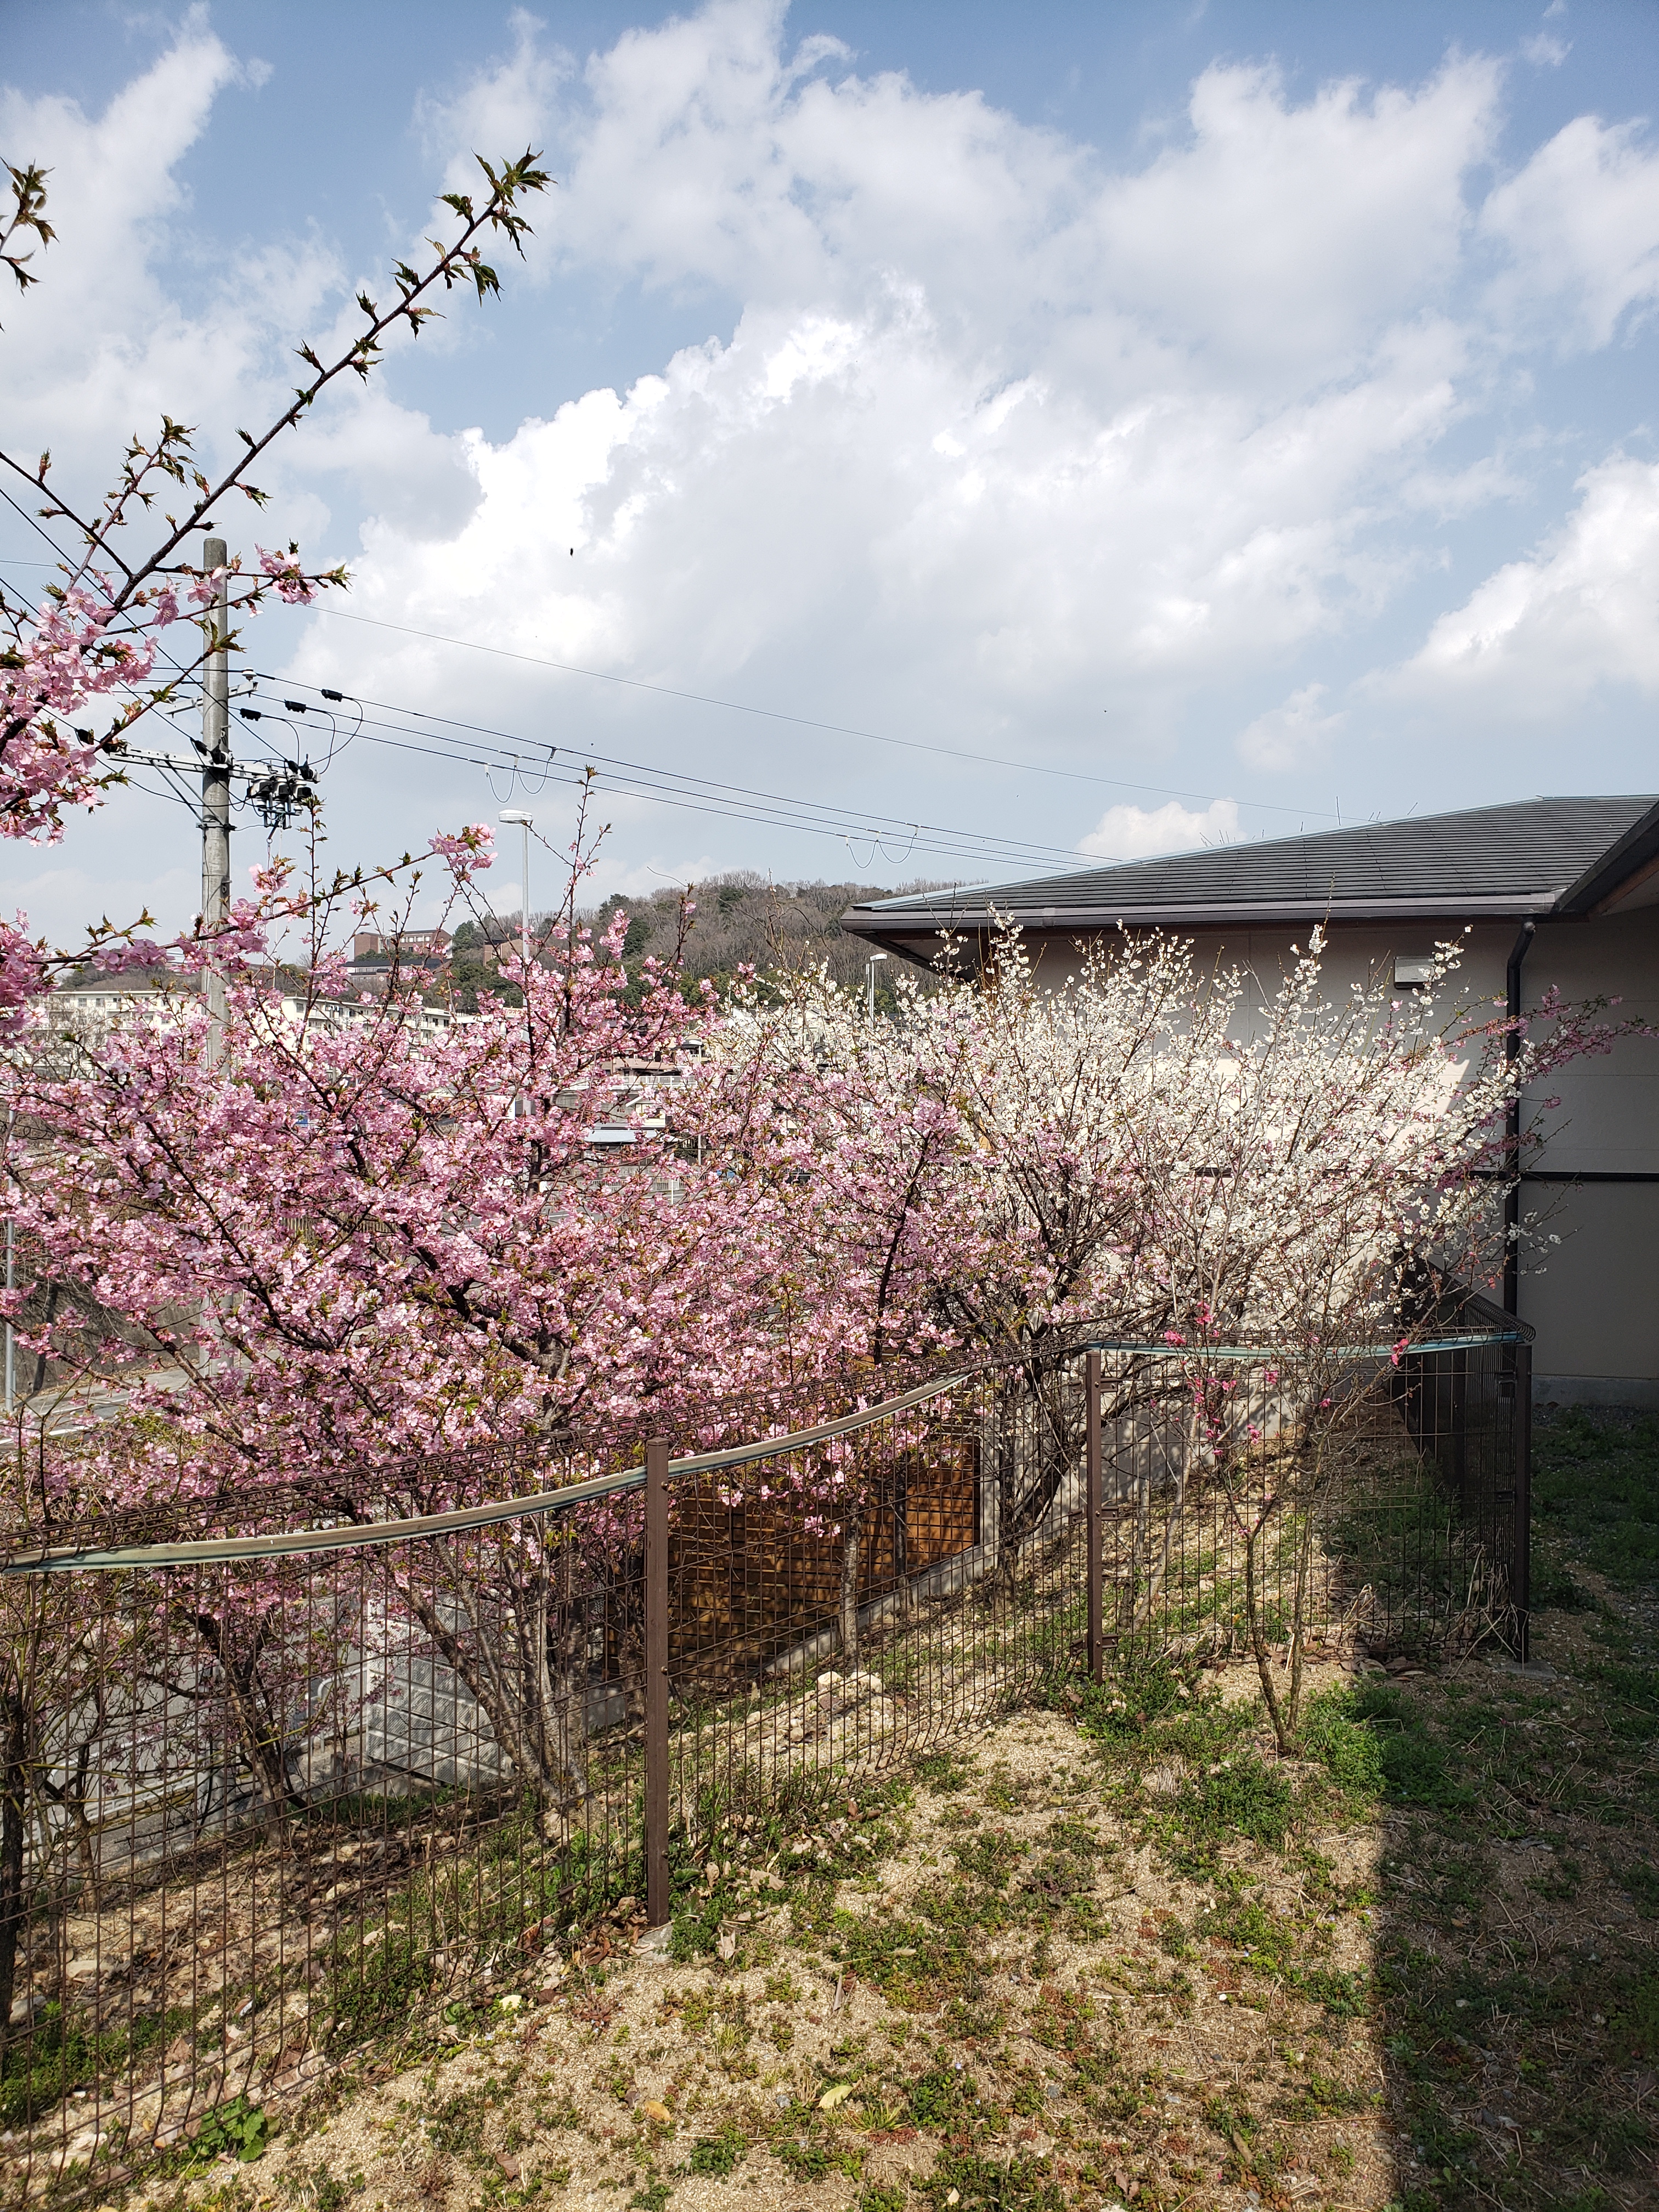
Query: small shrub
{"points": [[1636, 2022], [942, 1772], [1415, 1766], [981, 2184]]}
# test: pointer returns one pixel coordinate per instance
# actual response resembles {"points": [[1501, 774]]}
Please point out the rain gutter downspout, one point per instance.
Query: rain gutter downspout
{"points": [[1512, 1126]]}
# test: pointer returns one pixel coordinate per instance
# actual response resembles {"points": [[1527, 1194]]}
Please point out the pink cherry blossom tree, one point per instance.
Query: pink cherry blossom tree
{"points": [[92, 646]]}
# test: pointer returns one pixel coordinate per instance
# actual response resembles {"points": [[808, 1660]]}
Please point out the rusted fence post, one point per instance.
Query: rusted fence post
{"points": [[657, 1903], [1091, 1515]]}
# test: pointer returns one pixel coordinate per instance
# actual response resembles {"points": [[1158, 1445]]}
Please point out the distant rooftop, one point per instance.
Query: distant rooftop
{"points": [[1536, 856]]}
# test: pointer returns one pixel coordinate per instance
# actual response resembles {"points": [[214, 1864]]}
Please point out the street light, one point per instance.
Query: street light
{"points": [[871, 971], [509, 814]]}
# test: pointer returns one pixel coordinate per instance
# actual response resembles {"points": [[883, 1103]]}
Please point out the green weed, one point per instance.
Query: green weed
{"points": [[238, 2128], [815, 2157], [1239, 1798], [942, 2098], [1334, 1731], [1414, 1765], [1635, 2025], [1593, 1481], [981, 2184], [719, 2153]]}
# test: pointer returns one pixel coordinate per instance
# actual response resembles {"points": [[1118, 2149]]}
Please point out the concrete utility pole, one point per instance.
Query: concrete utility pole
{"points": [[216, 782], [11, 1267], [509, 816], [11, 1341]]}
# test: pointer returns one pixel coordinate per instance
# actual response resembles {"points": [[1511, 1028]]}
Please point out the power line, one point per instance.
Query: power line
{"points": [[503, 751], [674, 779], [779, 715], [723, 800], [807, 722]]}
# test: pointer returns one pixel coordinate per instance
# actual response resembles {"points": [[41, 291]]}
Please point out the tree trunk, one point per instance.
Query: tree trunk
{"points": [[534, 1698], [1264, 1657], [1298, 1621], [15, 1719], [259, 1733], [1177, 1510], [1008, 1465]]}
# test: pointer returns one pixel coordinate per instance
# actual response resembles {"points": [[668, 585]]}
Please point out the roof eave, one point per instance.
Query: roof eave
{"points": [[1630, 855], [884, 927]]}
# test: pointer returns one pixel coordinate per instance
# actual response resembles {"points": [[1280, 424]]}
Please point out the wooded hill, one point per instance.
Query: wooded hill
{"points": [[740, 919]]}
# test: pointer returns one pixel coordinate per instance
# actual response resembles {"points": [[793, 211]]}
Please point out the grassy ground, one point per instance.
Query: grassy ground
{"points": [[1518, 1998], [1113, 1952]]}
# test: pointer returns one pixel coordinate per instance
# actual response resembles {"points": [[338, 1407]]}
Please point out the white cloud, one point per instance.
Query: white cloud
{"points": [[980, 430], [1131, 832], [1290, 735], [1542, 634], [1545, 51], [993, 428], [102, 345], [1580, 222], [1294, 233], [502, 110]]}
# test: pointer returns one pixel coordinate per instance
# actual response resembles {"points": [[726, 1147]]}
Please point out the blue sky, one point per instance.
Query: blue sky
{"points": [[1224, 416]]}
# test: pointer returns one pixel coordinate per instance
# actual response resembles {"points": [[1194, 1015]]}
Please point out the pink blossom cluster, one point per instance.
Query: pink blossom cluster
{"points": [[70, 655]]}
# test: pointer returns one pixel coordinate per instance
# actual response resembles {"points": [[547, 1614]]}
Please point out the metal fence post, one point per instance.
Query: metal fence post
{"points": [[1091, 1511], [657, 1903], [1460, 1419], [1521, 1586]]}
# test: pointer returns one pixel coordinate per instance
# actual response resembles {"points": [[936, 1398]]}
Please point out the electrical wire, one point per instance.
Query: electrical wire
{"points": [[674, 779], [667, 788], [770, 714], [503, 750], [777, 820], [806, 721]]}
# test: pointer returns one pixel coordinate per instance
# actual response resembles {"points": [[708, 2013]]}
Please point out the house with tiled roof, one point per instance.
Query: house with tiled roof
{"points": [[1542, 892]]}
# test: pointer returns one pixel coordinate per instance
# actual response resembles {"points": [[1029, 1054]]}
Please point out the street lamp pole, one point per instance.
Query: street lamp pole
{"points": [[871, 978]]}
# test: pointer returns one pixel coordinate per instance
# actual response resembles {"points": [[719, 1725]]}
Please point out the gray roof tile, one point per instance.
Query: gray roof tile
{"points": [[1519, 857]]}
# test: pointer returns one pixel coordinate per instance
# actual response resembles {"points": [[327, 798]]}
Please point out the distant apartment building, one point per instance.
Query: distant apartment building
{"points": [[90, 1005], [420, 948]]}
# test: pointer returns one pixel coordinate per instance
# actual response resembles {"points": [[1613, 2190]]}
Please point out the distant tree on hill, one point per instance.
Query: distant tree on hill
{"points": [[742, 919]]}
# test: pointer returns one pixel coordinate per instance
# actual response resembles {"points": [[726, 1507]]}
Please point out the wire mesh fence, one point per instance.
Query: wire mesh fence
{"points": [[282, 1775]]}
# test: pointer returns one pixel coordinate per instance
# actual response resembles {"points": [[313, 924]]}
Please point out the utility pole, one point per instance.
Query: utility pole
{"points": [[509, 814], [11, 1337], [11, 1266], [278, 791], [216, 783]]}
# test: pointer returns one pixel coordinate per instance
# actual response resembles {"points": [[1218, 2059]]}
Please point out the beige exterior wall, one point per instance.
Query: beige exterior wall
{"points": [[1594, 1298]]}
